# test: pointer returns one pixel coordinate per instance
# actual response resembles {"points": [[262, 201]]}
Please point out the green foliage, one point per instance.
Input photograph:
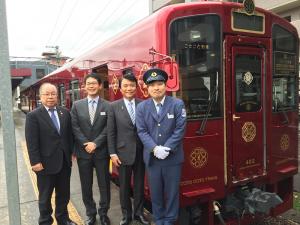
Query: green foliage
{"points": [[296, 202]]}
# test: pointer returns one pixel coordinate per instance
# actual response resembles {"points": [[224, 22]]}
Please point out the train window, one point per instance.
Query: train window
{"points": [[74, 91], [284, 70], [40, 73], [248, 91], [195, 43], [62, 96], [248, 23], [284, 93]]}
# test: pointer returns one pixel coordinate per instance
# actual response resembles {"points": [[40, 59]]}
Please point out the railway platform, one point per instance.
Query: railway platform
{"points": [[28, 190]]}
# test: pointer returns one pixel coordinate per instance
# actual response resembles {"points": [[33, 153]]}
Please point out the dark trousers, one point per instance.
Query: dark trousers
{"points": [[164, 191], [46, 185], [125, 174], [86, 168]]}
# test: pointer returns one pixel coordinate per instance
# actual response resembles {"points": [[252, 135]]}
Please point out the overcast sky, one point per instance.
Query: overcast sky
{"points": [[74, 25]]}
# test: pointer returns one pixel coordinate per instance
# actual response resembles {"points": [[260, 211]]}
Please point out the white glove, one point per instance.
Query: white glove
{"points": [[161, 152]]}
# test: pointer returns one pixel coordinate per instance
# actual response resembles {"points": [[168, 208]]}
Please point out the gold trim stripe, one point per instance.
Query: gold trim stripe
{"points": [[73, 213]]}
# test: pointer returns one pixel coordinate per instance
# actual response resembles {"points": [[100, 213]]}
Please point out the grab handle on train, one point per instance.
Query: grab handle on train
{"points": [[234, 117]]}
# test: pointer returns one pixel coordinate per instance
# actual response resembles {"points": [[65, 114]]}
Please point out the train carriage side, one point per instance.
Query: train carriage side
{"points": [[238, 79]]}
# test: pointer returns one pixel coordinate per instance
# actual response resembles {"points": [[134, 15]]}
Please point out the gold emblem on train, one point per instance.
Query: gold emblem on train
{"points": [[142, 85], [248, 78], [198, 157], [284, 142], [115, 84], [248, 131], [249, 6]]}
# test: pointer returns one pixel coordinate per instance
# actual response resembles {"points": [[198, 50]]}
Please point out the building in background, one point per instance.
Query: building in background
{"points": [[288, 9], [35, 69], [26, 71]]}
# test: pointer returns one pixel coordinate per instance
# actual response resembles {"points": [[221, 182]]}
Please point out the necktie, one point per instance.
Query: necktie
{"points": [[131, 112], [92, 111], [54, 119], [158, 107]]}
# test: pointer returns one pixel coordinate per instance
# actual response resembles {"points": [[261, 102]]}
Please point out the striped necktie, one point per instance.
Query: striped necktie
{"points": [[92, 111], [131, 112]]}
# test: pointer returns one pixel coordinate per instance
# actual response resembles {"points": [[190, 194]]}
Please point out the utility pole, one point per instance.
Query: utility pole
{"points": [[8, 128]]}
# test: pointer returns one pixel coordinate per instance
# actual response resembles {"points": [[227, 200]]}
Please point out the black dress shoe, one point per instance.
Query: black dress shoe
{"points": [[104, 220], [67, 222], [90, 220], [141, 219], [126, 221]]}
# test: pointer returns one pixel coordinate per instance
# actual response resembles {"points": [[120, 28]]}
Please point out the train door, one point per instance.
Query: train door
{"points": [[103, 73], [74, 92], [246, 117]]}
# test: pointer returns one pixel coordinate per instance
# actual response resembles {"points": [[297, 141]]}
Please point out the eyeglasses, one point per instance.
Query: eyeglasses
{"points": [[49, 94], [91, 83]]}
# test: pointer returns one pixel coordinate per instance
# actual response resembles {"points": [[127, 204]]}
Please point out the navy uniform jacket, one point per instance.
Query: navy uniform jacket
{"points": [[168, 130]]}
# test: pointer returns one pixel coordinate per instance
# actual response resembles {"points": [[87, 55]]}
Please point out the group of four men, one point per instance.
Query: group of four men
{"points": [[134, 134]]}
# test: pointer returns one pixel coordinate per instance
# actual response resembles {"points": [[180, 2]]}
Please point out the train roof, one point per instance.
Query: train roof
{"points": [[155, 18]]}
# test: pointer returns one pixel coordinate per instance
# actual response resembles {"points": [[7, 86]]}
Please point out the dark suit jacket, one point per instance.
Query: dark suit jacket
{"points": [[44, 143], [84, 131], [122, 134]]}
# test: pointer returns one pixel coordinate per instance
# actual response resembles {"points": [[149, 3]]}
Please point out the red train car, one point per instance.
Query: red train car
{"points": [[235, 67]]}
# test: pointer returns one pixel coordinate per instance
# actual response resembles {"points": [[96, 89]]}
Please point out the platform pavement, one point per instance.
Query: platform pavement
{"points": [[28, 198]]}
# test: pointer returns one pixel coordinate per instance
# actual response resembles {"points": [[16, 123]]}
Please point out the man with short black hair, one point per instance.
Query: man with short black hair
{"points": [[126, 149], [89, 123]]}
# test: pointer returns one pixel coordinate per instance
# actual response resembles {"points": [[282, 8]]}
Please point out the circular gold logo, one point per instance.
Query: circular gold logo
{"points": [[248, 131], [153, 74], [198, 157], [248, 78], [284, 142], [249, 6]]}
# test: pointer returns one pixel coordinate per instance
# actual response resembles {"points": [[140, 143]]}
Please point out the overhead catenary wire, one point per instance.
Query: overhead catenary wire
{"points": [[103, 23], [90, 43], [57, 19], [66, 22], [83, 34]]}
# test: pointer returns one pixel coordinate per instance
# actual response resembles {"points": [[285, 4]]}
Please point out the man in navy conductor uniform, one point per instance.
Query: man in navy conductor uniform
{"points": [[161, 122]]}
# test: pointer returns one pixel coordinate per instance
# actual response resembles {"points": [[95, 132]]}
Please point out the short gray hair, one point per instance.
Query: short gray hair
{"points": [[44, 85]]}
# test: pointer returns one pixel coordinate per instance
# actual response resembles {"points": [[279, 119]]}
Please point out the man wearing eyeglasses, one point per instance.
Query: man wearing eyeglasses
{"points": [[49, 140], [89, 123]]}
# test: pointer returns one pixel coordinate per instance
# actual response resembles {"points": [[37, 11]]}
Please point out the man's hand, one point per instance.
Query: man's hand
{"points": [[74, 158], [161, 152], [37, 167], [90, 147], [115, 160]]}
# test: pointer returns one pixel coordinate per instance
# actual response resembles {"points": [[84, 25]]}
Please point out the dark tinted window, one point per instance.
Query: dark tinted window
{"points": [[285, 70], [248, 84], [195, 44]]}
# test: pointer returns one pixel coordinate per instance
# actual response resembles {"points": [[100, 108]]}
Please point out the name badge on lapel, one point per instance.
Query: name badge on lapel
{"points": [[170, 116], [102, 113]]}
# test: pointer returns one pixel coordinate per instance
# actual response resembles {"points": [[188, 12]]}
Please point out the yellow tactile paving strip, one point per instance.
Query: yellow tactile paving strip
{"points": [[71, 209]]}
